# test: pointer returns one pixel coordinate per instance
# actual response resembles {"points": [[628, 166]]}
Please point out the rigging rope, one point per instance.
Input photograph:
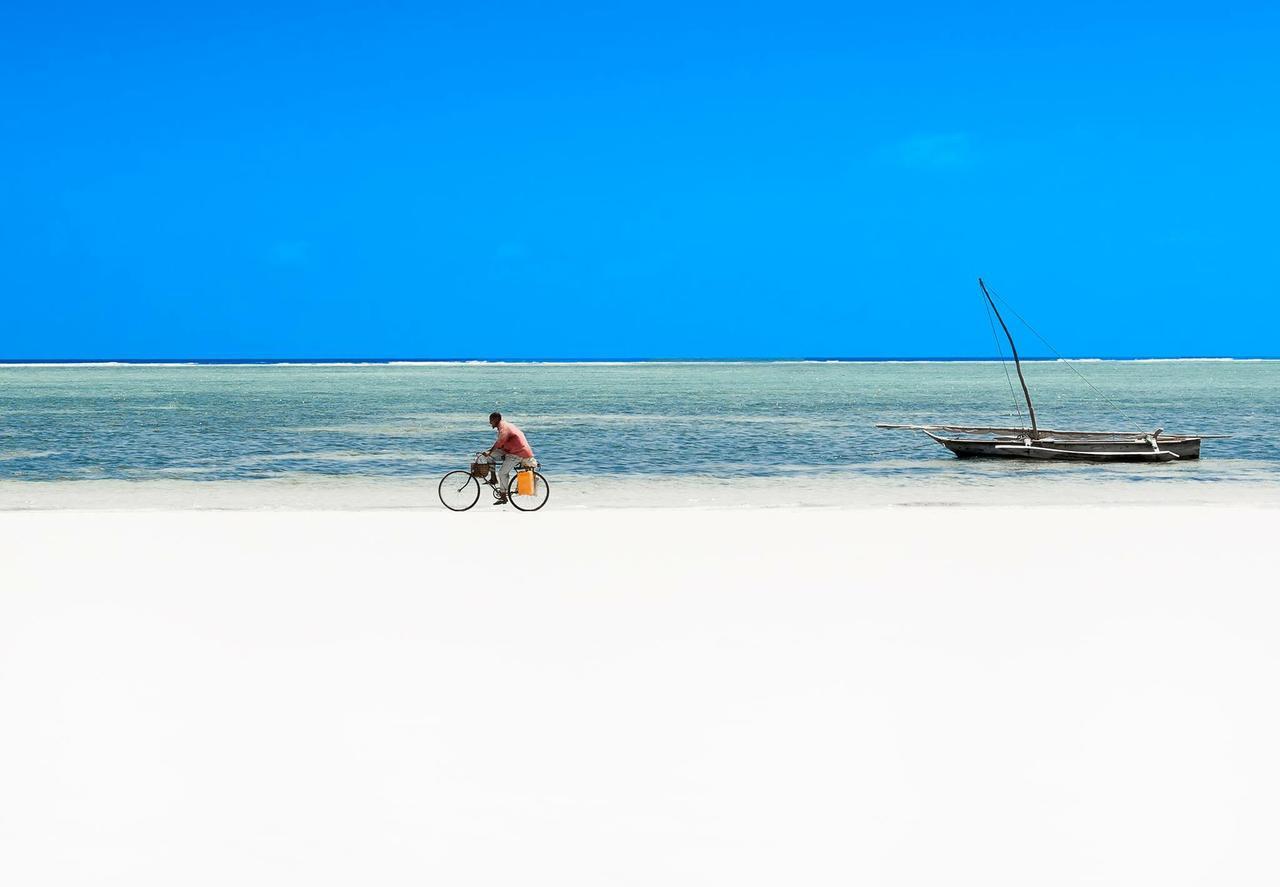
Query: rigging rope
{"points": [[1137, 425], [1004, 363]]}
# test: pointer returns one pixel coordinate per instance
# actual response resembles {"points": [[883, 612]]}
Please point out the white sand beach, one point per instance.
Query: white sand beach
{"points": [[888, 696]]}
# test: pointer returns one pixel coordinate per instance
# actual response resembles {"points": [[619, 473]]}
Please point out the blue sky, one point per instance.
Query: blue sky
{"points": [[636, 180]]}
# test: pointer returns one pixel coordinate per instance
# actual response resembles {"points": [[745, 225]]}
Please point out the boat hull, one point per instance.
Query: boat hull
{"points": [[1038, 442], [1132, 450]]}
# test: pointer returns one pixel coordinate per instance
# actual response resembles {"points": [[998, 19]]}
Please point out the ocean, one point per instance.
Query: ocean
{"points": [[780, 425]]}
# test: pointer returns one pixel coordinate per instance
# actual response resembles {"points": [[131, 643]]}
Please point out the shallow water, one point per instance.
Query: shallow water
{"points": [[781, 420]]}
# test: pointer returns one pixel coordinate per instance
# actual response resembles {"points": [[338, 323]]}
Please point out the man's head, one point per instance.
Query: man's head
{"points": [[495, 419]]}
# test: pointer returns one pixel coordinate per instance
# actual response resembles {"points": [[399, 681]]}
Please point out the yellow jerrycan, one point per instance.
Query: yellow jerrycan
{"points": [[524, 482]]}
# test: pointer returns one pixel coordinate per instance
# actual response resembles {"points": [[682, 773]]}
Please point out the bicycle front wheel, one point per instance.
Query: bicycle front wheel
{"points": [[541, 493], [459, 490]]}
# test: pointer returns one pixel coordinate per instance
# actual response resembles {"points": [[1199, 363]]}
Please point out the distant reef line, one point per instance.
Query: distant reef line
{"points": [[589, 361]]}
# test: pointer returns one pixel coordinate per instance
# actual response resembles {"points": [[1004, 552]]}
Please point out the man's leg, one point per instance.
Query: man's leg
{"points": [[509, 463], [495, 460]]}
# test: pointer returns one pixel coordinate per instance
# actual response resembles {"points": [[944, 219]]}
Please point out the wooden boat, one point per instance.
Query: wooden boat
{"points": [[982, 441]]}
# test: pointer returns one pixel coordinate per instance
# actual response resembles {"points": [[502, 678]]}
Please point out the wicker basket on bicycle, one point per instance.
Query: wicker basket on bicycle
{"points": [[480, 468]]}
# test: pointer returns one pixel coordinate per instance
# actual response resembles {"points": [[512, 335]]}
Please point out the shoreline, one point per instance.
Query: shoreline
{"points": [[573, 493]]}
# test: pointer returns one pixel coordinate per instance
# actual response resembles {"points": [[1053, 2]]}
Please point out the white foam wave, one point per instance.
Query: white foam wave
{"points": [[599, 363], [332, 457], [13, 455], [97, 363]]}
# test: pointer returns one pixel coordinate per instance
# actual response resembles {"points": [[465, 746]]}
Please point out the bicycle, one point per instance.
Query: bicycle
{"points": [[460, 490]]}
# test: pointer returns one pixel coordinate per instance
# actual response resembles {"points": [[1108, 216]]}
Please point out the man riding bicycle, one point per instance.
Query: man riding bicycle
{"points": [[511, 448]]}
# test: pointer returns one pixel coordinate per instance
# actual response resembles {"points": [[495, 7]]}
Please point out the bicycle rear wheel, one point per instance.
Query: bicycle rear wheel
{"points": [[541, 493], [459, 490]]}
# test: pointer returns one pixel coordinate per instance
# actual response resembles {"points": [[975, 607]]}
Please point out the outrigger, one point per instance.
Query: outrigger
{"points": [[982, 441]]}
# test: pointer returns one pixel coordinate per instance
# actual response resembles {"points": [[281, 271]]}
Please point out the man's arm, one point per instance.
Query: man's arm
{"points": [[497, 442]]}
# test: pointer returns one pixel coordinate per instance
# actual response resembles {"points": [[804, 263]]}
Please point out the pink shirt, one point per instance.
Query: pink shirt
{"points": [[511, 440]]}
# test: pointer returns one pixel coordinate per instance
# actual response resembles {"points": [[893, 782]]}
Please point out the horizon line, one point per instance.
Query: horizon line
{"points": [[419, 361]]}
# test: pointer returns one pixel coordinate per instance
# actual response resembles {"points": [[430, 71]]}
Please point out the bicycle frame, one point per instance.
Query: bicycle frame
{"points": [[491, 478]]}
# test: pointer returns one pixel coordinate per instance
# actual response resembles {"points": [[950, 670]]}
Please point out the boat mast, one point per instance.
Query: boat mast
{"points": [[1016, 363]]}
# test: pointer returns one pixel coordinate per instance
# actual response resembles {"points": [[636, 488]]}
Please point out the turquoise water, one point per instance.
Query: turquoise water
{"points": [[237, 422]]}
